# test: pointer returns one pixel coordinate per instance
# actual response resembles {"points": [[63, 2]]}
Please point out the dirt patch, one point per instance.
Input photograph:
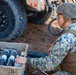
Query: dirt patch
{"points": [[37, 36]]}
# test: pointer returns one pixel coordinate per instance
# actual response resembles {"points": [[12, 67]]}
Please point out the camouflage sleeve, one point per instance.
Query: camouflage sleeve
{"points": [[59, 51]]}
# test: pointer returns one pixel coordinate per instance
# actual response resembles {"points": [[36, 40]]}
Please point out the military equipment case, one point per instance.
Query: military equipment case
{"points": [[11, 70]]}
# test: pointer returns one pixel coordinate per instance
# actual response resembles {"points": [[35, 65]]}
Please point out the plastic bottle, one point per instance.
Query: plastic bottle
{"points": [[11, 60], [4, 57]]}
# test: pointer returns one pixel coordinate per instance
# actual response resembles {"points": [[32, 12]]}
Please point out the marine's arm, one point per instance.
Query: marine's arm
{"points": [[55, 57]]}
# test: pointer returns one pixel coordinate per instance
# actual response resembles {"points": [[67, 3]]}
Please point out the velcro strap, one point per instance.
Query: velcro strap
{"points": [[70, 31], [55, 70]]}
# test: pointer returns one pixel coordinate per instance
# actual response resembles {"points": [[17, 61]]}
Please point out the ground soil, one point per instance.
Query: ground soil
{"points": [[38, 38]]}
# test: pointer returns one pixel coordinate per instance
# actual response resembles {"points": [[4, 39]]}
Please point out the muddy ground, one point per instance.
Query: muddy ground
{"points": [[38, 38]]}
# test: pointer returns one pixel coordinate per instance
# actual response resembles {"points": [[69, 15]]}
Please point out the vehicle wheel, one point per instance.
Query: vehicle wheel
{"points": [[55, 31], [40, 18], [12, 20]]}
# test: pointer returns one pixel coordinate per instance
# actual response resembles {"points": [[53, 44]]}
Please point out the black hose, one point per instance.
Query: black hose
{"points": [[51, 31]]}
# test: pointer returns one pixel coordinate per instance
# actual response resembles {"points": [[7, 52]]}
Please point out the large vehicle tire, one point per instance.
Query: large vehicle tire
{"points": [[12, 19], [40, 18]]}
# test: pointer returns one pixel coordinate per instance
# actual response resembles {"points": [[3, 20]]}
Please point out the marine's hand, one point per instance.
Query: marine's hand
{"points": [[21, 60]]}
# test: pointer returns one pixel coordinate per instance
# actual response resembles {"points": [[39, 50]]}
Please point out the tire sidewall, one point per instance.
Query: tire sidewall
{"points": [[19, 16]]}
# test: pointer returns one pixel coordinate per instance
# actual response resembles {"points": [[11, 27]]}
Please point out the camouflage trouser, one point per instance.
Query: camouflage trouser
{"points": [[35, 54]]}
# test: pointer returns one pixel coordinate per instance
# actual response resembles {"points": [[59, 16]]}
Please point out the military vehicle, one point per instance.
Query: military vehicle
{"points": [[14, 15]]}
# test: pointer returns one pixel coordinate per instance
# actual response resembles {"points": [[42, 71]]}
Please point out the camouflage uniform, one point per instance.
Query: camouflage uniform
{"points": [[64, 44]]}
